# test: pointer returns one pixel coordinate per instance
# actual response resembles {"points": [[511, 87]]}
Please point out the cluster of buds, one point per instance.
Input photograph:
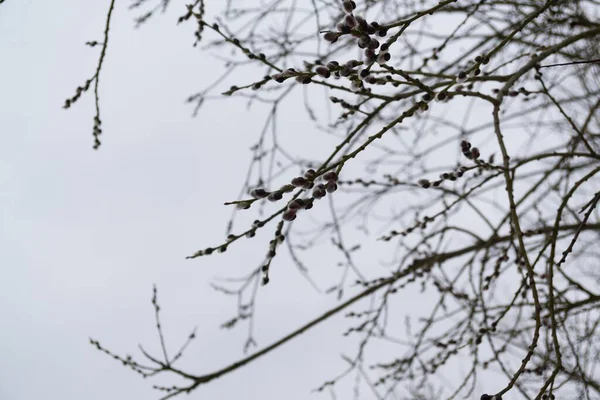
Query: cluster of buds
{"points": [[474, 70], [364, 31], [97, 131], [329, 186], [279, 238], [449, 176], [472, 153], [301, 77], [514, 93], [294, 206], [78, 92]]}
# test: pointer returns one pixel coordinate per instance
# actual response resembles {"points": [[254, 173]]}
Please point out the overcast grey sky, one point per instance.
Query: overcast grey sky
{"points": [[84, 234]]}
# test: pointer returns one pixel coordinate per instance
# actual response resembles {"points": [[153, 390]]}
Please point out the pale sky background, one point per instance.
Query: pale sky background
{"points": [[84, 234]]}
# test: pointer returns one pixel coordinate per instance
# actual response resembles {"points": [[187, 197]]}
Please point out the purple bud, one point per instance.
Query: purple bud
{"points": [[346, 70], [259, 193], [299, 181], [383, 58], [373, 44], [279, 78], [370, 79], [309, 173], [289, 215], [331, 187], [275, 196], [319, 191], [323, 71], [319, 194], [424, 183], [350, 21], [296, 204], [330, 176], [348, 6], [287, 188], [308, 204], [364, 40], [475, 153]]}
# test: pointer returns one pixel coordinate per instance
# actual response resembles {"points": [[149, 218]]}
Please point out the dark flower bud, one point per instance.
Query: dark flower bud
{"points": [[475, 153], [309, 173], [385, 47], [264, 268], [369, 55], [308, 204], [279, 78], [331, 37], [289, 215], [319, 194], [362, 24], [343, 28], [348, 6], [308, 185], [427, 97], [346, 70], [242, 206], [465, 145], [251, 234], [373, 44], [287, 188], [330, 176], [296, 204], [319, 191], [299, 181], [383, 58], [275, 196], [265, 280], [371, 29], [331, 187], [350, 21], [382, 32], [424, 183], [323, 71], [370, 79], [364, 40], [486, 397], [259, 193]]}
